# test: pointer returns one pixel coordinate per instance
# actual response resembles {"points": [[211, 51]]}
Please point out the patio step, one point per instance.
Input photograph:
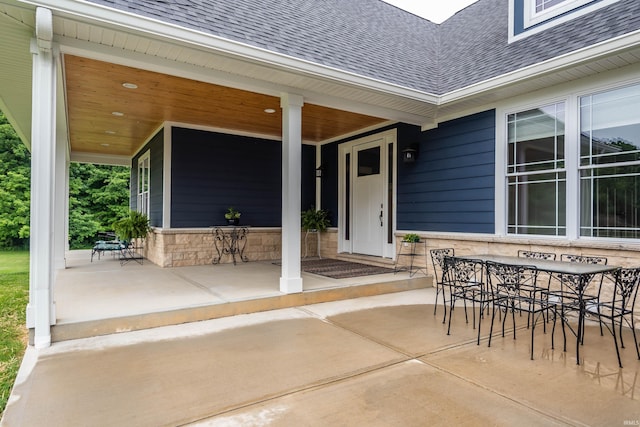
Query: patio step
{"points": [[367, 259], [91, 328]]}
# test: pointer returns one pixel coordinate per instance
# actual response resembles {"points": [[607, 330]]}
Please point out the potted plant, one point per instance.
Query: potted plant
{"points": [[411, 238], [314, 220], [133, 226], [232, 216]]}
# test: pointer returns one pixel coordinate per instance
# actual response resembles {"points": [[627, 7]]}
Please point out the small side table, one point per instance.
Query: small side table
{"points": [[406, 258], [230, 240]]}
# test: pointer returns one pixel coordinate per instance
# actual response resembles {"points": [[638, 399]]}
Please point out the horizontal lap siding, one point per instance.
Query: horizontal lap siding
{"points": [[451, 186], [156, 145], [213, 171]]}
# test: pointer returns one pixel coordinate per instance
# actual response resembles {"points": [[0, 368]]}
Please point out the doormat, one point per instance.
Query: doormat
{"points": [[338, 269]]}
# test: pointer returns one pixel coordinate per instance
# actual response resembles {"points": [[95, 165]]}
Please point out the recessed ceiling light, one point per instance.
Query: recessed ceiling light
{"points": [[105, 145], [269, 110], [110, 132], [118, 113], [130, 85]]}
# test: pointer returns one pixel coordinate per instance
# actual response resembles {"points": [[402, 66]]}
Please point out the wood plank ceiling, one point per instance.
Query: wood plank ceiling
{"points": [[107, 118]]}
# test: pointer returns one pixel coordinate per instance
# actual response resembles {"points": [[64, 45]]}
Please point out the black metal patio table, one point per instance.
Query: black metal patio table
{"points": [[584, 273]]}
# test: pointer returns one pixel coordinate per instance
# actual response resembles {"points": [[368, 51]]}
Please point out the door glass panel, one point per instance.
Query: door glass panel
{"points": [[390, 194], [347, 197], [369, 161]]}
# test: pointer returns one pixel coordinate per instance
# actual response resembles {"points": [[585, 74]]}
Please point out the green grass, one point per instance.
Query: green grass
{"points": [[14, 295]]}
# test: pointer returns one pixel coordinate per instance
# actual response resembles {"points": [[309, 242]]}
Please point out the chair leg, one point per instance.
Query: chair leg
{"points": [[615, 340]]}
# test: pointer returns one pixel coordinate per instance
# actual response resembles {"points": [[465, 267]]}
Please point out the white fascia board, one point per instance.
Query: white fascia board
{"points": [[100, 159], [166, 31], [555, 64]]}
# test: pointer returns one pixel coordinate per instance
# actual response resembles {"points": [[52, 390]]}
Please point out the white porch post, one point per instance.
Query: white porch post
{"points": [[43, 159], [290, 280]]}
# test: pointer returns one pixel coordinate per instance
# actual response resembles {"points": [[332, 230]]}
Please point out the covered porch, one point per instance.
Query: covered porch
{"points": [[104, 297]]}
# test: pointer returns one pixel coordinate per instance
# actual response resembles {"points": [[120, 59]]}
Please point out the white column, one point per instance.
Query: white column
{"points": [[290, 280], [43, 156], [61, 201]]}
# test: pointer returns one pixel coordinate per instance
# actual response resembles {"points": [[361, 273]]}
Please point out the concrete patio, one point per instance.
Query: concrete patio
{"points": [[220, 345], [104, 297], [372, 361]]}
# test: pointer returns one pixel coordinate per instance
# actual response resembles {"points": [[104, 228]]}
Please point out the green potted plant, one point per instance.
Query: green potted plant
{"points": [[133, 226], [314, 220], [232, 216], [411, 238]]}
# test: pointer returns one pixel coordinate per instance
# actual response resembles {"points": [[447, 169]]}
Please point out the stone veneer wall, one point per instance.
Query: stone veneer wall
{"points": [[179, 247]]}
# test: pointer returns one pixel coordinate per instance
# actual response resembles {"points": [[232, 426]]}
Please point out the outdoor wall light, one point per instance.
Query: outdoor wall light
{"points": [[410, 154], [319, 170]]}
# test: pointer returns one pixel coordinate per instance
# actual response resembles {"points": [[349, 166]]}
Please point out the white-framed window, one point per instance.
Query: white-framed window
{"points": [[537, 11], [536, 171], [610, 163], [144, 178], [528, 17], [572, 167]]}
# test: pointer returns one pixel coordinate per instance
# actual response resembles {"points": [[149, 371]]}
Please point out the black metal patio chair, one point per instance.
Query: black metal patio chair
{"points": [[514, 289], [618, 307], [465, 279], [437, 259]]}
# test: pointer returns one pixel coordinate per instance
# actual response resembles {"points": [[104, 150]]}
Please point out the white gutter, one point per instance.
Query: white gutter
{"points": [[607, 47], [159, 29]]}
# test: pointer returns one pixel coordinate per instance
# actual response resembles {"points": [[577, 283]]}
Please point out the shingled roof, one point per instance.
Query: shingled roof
{"points": [[377, 40]]}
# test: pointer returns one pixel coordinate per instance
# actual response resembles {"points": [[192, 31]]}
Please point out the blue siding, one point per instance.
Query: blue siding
{"points": [[212, 171], [451, 186], [156, 145]]}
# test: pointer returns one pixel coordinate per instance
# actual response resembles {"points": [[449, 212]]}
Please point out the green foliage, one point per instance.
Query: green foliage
{"points": [[313, 219], [411, 238], [232, 213], [98, 195], [133, 226], [15, 191], [14, 295]]}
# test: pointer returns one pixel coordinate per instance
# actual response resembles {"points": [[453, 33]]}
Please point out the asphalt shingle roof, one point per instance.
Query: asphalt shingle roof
{"points": [[377, 40]]}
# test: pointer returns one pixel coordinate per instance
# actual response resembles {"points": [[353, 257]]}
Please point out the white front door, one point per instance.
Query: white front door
{"points": [[368, 202]]}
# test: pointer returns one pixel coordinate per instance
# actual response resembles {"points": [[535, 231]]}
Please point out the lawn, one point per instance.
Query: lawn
{"points": [[14, 295]]}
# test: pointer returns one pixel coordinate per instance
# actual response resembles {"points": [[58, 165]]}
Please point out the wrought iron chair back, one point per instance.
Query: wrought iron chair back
{"points": [[618, 307], [437, 259], [465, 279], [515, 289], [537, 255]]}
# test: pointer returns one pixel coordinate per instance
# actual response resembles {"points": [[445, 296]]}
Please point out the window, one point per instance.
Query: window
{"points": [[610, 164], [542, 5], [528, 17], [536, 175], [595, 161], [144, 176]]}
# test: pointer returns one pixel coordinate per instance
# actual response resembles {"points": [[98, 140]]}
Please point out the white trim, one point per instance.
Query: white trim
{"points": [[100, 159], [143, 199], [162, 30], [555, 64], [291, 279], [388, 136], [550, 18], [167, 176], [569, 94]]}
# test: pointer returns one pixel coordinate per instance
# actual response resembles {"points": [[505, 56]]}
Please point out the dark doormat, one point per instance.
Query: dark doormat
{"points": [[338, 269]]}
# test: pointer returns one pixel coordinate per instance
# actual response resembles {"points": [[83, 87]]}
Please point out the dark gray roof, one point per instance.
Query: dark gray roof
{"points": [[474, 42], [374, 39]]}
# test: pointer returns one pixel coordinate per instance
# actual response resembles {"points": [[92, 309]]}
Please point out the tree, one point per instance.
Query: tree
{"points": [[15, 191], [98, 195]]}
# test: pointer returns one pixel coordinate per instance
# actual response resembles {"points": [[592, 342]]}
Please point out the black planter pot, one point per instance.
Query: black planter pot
{"points": [[233, 221]]}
